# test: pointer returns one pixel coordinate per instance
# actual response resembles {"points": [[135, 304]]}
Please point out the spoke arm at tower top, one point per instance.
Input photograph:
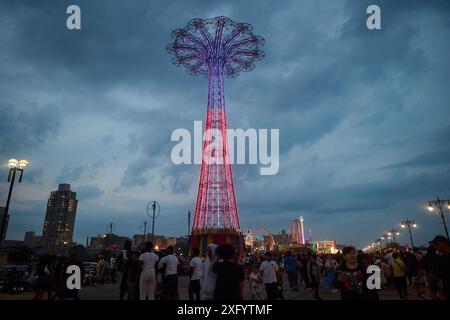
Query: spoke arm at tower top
{"points": [[208, 40]]}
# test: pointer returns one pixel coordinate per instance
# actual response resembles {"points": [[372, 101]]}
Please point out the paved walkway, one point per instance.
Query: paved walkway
{"points": [[111, 292]]}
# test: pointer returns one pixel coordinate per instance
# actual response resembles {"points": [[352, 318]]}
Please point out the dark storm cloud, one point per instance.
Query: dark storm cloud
{"points": [[363, 115], [88, 192], [69, 173], [26, 127]]}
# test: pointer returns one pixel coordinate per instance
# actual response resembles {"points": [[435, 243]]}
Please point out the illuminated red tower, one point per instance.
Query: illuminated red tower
{"points": [[216, 48], [297, 231]]}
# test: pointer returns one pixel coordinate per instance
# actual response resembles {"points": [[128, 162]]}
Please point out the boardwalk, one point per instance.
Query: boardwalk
{"points": [[111, 292]]}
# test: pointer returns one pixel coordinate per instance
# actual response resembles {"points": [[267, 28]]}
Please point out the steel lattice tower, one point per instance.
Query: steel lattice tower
{"points": [[216, 48]]}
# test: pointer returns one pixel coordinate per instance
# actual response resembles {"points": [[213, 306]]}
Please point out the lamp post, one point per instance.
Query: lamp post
{"points": [[110, 229], [153, 211], [385, 238], [13, 166], [189, 234], [408, 224], [438, 203], [144, 229], [393, 233]]}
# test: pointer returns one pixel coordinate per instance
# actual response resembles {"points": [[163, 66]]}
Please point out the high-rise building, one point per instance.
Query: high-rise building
{"points": [[60, 218]]}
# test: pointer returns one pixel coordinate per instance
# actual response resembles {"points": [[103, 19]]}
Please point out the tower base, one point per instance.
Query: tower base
{"points": [[202, 238]]}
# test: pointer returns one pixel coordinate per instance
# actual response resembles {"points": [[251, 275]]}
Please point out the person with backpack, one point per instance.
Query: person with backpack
{"points": [[399, 273]]}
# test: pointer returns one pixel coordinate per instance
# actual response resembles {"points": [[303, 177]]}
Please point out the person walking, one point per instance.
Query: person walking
{"points": [[208, 283], [230, 275], [351, 277], [313, 274], [330, 266], [399, 273], [255, 283], [147, 280], [269, 270], [100, 269], [169, 267], [196, 270], [431, 267], [291, 266], [133, 267], [71, 293], [442, 245], [43, 277], [113, 267], [121, 262]]}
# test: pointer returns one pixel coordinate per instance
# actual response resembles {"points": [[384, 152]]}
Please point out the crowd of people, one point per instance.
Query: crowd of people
{"points": [[221, 274]]}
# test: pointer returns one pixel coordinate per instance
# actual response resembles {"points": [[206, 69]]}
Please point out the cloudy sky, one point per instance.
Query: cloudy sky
{"points": [[363, 115]]}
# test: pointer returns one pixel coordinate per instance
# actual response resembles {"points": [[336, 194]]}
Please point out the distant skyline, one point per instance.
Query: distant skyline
{"points": [[363, 115]]}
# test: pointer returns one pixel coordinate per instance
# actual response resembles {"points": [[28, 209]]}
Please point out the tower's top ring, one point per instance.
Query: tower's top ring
{"points": [[219, 41]]}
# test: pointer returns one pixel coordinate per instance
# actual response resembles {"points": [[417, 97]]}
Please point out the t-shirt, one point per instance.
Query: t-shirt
{"points": [[149, 260], [171, 262], [228, 281], [290, 264], [351, 283], [269, 269], [197, 265]]}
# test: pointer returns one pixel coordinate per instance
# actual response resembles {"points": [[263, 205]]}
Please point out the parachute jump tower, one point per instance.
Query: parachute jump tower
{"points": [[216, 48]]}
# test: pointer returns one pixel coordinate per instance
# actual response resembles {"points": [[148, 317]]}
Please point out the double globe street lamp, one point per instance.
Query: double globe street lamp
{"points": [[439, 203], [409, 224], [393, 233], [14, 167]]}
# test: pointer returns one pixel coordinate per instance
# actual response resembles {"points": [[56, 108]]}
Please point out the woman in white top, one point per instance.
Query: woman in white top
{"points": [[147, 282], [209, 277]]}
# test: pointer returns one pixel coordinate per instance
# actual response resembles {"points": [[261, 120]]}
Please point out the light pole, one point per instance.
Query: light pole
{"points": [[110, 229], [385, 238], [393, 233], [153, 211], [408, 224], [13, 166], [189, 234], [144, 226], [438, 203]]}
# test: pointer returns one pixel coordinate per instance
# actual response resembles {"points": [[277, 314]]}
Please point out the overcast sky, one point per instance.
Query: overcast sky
{"points": [[363, 115]]}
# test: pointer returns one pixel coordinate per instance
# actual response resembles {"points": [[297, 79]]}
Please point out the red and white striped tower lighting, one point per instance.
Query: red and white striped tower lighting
{"points": [[216, 48], [302, 231]]}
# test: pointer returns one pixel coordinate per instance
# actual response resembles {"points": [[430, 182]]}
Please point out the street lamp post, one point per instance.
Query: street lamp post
{"points": [[13, 166], [189, 234], [385, 238], [153, 211], [438, 203], [110, 230], [144, 224], [393, 233], [408, 224]]}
